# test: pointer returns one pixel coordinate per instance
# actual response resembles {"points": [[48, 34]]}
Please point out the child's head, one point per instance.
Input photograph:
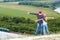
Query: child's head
{"points": [[44, 15]]}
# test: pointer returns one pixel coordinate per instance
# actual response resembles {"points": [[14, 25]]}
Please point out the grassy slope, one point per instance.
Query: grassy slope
{"points": [[21, 10], [13, 13]]}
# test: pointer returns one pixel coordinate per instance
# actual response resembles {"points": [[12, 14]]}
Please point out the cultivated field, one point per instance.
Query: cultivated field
{"points": [[15, 10]]}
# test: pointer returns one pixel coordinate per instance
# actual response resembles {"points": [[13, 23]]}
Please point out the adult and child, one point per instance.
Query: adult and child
{"points": [[41, 23]]}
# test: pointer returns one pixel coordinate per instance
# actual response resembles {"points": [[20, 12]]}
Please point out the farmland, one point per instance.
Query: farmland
{"points": [[22, 10]]}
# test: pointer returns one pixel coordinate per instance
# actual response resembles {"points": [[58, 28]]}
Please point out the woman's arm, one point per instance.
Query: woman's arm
{"points": [[32, 13]]}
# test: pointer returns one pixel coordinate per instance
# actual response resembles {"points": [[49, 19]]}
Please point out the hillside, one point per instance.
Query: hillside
{"points": [[16, 10], [10, 13]]}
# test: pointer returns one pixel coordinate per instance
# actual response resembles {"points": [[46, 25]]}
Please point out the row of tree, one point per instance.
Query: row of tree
{"points": [[18, 0], [37, 3], [41, 4]]}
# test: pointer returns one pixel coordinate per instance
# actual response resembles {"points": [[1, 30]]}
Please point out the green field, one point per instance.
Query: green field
{"points": [[22, 10], [14, 13]]}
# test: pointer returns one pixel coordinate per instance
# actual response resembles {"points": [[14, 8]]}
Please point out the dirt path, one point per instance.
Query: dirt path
{"points": [[15, 36], [45, 37]]}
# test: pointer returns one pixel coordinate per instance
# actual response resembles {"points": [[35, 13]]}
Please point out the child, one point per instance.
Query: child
{"points": [[45, 26]]}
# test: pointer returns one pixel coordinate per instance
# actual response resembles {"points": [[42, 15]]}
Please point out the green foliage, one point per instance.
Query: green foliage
{"points": [[23, 25], [16, 24], [38, 4], [54, 25]]}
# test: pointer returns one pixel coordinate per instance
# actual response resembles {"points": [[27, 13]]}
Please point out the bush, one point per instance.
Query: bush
{"points": [[54, 25], [27, 25]]}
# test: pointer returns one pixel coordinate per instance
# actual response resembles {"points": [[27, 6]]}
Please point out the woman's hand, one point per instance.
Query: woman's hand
{"points": [[28, 13], [36, 20]]}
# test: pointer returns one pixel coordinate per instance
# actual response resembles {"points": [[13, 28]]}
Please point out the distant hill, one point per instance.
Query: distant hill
{"points": [[30, 0], [1, 0]]}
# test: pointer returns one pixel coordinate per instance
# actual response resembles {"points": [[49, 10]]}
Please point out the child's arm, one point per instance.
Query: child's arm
{"points": [[46, 20]]}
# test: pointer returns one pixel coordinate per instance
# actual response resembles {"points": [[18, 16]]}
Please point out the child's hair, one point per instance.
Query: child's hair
{"points": [[44, 15]]}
